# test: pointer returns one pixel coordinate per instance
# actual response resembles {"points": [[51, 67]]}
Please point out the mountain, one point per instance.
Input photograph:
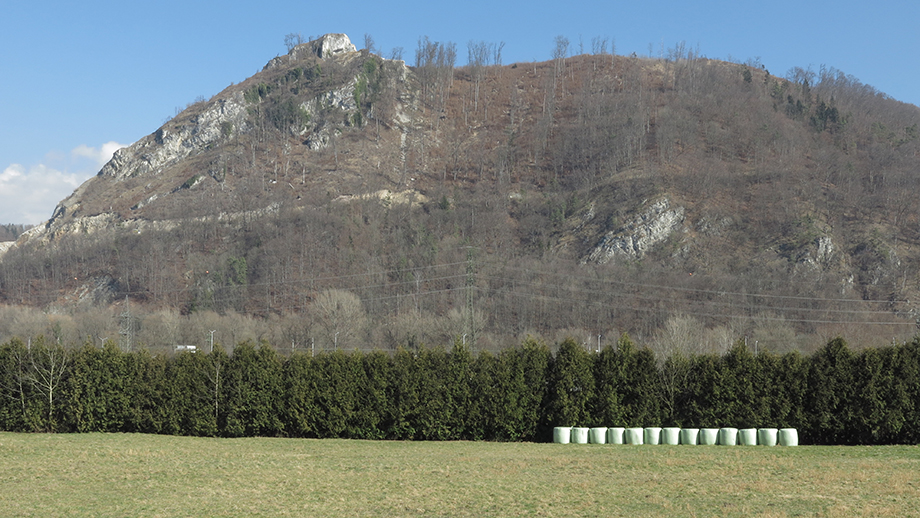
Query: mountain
{"points": [[361, 200]]}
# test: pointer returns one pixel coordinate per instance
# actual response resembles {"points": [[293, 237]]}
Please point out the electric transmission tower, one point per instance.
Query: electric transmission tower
{"points": [[471, 325], [127, 327]]}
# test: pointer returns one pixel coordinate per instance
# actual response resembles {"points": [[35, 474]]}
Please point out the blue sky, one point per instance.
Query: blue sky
{"points": [[80, 79]]}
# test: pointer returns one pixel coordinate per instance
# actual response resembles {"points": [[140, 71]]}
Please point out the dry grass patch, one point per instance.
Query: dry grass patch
{"points": [[143, 475]]}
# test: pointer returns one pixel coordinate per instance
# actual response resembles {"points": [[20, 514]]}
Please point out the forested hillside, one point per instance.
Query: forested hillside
{"points": [[345, 200]]}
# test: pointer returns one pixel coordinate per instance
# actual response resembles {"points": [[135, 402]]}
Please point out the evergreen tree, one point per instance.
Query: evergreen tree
{"points": [[301, 413], [571, 385], [703, 393], [737, 401], [459, 397], [148, 410], [374, 418], [831, 386], [404, 396], [435, 406], [252, 387], [609, 377], [337, 385], [100, 389], [907, 372], [533, 360], [194, 393], [792, 391], [641, 383]]}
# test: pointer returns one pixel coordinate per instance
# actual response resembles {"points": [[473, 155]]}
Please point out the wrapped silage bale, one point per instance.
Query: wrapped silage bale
{"points": [[728, 436], [767, 436], [747, 437], [634, 435], [615, 435], [709, 436], [689, 436], [652, 435], [670, 435], [562, 434], [788, 437], [580, 435], [597, 435]]}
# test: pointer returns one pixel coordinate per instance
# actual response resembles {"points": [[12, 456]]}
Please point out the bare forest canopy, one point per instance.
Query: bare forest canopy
{"points": [[341, 198], [10, 232]]}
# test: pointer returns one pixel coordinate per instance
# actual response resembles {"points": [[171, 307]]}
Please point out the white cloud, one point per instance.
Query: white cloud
{"points": [[98, 156], [29, 194]]}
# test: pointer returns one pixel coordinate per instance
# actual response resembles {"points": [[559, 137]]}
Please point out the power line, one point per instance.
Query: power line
{"points": [[699, 314], [698, 290], [748, 306]]}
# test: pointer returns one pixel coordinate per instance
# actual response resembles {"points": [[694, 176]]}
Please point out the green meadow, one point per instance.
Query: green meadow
{"points": [[152, 475]]}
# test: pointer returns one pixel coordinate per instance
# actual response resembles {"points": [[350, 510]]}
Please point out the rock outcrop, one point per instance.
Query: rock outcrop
{"points": [[177, 140], [632, 240], [331, 45], [324, 47]]}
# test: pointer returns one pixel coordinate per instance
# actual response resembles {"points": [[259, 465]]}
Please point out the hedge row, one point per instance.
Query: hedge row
{"points": [[835, 396]]}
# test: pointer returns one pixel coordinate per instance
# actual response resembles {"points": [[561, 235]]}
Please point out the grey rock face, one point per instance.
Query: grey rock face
{"points": [[332, 44], [634, 239], [171, 144]]}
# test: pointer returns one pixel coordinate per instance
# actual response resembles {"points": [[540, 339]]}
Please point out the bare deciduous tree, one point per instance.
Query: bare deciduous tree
{"points": [[293, 39], [341, 318], [48, 367]]}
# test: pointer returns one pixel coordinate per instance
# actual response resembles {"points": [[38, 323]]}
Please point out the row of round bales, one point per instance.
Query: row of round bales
{"points": [[671, 435]]}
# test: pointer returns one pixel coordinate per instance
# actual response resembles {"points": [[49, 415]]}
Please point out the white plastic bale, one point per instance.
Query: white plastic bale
{"points": [[580, 435], [651, 435], [788, 437], [689, 436], [562, 434], [728, 436], [615, 435], [767, 436], [709, 436], [670, 435], [634, 435], [747, 437], [597, 435]]}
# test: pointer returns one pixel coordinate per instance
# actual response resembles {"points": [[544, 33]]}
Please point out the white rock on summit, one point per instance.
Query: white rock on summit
{"points": [[332, 44]]}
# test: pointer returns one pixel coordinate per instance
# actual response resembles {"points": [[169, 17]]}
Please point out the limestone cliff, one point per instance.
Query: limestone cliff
{"points": [[631, 241]]}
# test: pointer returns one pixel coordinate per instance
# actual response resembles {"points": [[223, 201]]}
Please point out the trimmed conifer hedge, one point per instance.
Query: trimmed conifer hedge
{"points": [[835, 396]]}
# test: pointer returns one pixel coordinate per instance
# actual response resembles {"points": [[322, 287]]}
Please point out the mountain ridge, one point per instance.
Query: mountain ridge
{"points": [[707, 176]]}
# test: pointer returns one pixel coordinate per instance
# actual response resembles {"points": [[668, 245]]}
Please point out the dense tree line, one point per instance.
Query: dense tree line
{"points": [[835, 396]]}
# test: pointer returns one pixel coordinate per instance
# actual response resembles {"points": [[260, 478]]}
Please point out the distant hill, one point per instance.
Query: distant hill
{"points": [[585, 196]]}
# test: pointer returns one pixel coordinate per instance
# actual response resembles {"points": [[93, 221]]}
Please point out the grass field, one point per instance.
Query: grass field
{"points": [[146, 475]]}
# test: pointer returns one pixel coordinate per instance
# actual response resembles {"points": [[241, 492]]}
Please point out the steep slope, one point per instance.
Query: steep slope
{"points": [[256, 131], [587, 195]]}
